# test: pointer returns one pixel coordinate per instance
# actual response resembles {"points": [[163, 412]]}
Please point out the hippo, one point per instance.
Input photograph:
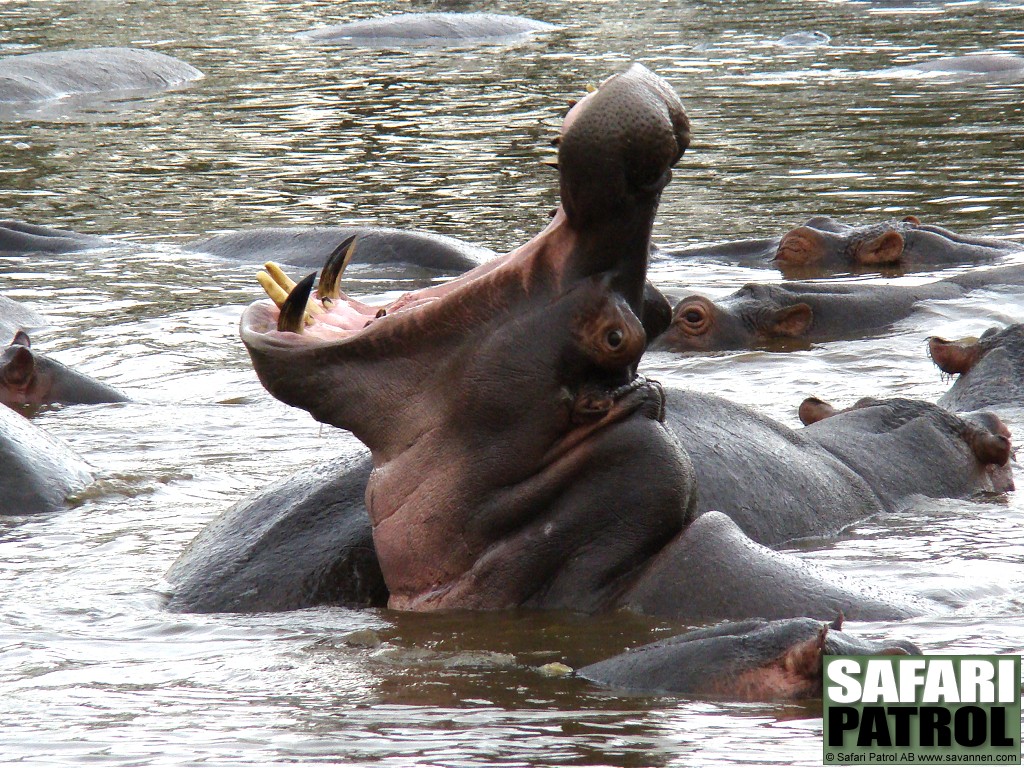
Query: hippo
{"points": [[19, 237], [29, 381], [812, 39], [306, 541], [780, 484], [761, 314], [15, 316], [37, 472], [429, 29], [823, 244], [35, 77], [775, 483], [753, 660], [519, 460], [973, 66], [311, 246], [989, 370]]}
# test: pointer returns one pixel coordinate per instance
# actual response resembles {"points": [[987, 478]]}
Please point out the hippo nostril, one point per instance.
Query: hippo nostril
{"points": [[615, 338]]}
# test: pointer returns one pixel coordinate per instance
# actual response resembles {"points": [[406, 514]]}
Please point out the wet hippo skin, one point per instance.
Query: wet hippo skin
{"points": [[29, 380], [509, 399], [753, 660], [428, 29], [34, 77], [762, 314], [823, 245], [989, 370], [20, 237], [37, 472]]}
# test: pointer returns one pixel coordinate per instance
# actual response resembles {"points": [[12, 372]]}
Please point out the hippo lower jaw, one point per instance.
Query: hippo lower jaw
{"points": [[503, 410]]}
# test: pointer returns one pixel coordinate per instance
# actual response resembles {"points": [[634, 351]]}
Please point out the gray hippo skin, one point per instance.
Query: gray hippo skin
{"points": [[780, 484], [304, 542], [823, 245], [20, 237], [309, 247], [37, 472], [989, 370], [34, 77], [760, 314], [775, 483], [428, 29], [29, 381], [973, 66], [519, 460], [15, 316], [753, 660]]}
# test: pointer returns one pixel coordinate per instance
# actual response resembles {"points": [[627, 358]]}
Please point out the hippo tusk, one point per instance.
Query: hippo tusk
{"points": [[279, 276], [293, 315], [334, 268], [277, 294], [278, 285]]}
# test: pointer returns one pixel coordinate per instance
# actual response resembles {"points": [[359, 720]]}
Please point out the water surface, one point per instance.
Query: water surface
{"points": [[283, 131]]}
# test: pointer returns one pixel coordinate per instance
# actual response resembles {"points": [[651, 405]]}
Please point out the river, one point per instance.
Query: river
{"points": [[282, 131]]}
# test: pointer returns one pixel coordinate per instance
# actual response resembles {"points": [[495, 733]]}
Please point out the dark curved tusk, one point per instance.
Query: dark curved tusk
{"points": [[334, 268], [293, 311]]}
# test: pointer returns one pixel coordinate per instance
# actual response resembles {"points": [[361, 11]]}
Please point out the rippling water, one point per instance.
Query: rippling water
{"points": [[282, 131]]}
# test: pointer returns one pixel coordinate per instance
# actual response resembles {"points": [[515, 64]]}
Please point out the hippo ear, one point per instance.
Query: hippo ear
{"points": [[884, 249], [792, 321], [912, 220], [953, 356], [812, 410], [805, 659], [21, 339], [19, 364], [989, 447]]}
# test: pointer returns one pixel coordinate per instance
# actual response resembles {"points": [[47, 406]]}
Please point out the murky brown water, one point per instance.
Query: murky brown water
{"points": [[285, 132]]}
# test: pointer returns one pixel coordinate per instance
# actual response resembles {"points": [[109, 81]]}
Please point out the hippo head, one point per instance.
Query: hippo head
{"points": [[753, 660], [17, 373], [990, 369], [977, 445], [512, 438], [826, 243], [755, 315]]}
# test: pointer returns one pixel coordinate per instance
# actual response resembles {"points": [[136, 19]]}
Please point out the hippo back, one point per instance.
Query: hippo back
{"points": [[37, 472]]}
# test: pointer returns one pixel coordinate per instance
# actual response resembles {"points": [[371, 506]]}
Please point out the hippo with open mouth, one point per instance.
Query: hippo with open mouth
{"points": [[518, 457]]}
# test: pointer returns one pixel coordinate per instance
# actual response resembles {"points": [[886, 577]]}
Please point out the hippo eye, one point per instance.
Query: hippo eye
{"points": [[614, 338], [693, 319]]}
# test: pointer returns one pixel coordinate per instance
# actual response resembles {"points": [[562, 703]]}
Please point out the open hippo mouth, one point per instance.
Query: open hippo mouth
{"points": [[505, 404], [298, 321]]}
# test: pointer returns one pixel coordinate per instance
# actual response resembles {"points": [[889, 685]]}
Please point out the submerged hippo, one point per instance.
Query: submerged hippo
{"points": [[780, 484], [518, 458], [33, 77], [775, 483], [15, 316], [759, 314], [29, 380], [311, 246], [37, 472], [980, 66], [20, 237], [823, 244], [752, 660], [989, 370], [429, 29]]}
